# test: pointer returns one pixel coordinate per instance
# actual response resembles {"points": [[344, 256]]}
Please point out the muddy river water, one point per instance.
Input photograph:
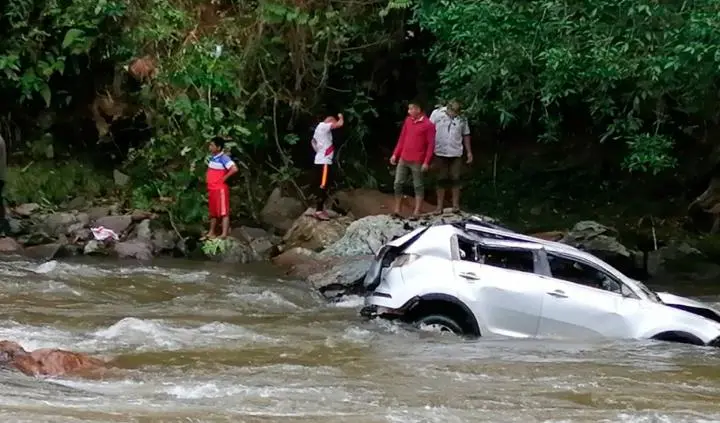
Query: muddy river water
{"points": [[199, 343]]}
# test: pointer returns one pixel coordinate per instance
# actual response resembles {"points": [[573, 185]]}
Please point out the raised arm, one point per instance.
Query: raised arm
{"points": [[339, 123]]}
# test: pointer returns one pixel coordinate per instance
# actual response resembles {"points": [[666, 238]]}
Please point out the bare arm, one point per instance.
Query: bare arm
{"points": [[430, 149], [233, 169], [468, 145], [339, 123]]}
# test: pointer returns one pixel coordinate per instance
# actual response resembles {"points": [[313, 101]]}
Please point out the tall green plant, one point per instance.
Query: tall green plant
{"points": [[639, 70]]}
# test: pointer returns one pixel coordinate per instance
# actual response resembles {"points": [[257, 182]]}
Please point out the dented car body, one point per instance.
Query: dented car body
{"points": [[474, 278]]}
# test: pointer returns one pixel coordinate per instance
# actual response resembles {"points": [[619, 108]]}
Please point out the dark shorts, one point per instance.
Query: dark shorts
{"points": [[402, 171], [447, 171]]}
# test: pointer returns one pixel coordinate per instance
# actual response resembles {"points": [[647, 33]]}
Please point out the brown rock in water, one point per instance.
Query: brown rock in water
{"points": [[49, 361], [9, 245], [367, 202]]}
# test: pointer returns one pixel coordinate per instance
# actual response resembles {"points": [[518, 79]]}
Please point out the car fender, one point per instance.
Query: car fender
{"points": [[668, 319]]}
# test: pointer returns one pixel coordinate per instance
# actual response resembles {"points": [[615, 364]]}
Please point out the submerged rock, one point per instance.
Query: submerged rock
{"points": [[230, 250]]}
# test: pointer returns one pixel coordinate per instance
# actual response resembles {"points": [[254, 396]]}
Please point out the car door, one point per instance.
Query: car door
{"points": [[499, 283], [582, 300]]}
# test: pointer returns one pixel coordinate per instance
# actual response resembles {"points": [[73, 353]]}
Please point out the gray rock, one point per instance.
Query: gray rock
{"points": [[343, 273], [134, 249], [44, 252], [658, 260], [36, 238], [77, 203], [143, 231], [95, 213], [367, 235], [17, 226], [164, 240], [94, 247], [120, 178], [58, 223], [119, 224], [235, 251], [280, 212], [26, 210]]}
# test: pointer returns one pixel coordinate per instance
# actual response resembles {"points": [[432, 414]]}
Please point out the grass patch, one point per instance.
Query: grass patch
{"points": [[52, 183]]}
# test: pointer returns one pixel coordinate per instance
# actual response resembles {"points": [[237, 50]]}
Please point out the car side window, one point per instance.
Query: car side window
{"points": [[583, 274], [519, 260]]}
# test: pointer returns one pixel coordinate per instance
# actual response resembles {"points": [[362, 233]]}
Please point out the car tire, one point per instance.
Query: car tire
{"points": [[442, 323]]}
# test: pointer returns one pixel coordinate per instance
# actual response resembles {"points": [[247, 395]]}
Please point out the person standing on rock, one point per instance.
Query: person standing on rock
{"points": [[220, 168], [452, 132], [412, 155], [322, 144]]}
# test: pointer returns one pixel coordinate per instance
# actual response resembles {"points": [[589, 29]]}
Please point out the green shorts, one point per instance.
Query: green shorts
{"points": [[401, 175], [447, 171]]}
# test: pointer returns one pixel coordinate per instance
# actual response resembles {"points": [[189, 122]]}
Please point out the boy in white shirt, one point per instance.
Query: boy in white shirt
{"points": [[322, 143]]}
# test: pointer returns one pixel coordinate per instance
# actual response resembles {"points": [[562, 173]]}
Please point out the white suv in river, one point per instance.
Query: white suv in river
{"points": [[476, 279]]}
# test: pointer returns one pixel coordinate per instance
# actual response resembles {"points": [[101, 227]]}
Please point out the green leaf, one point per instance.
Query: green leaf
{"points": [[70, 37], [46, 94]]}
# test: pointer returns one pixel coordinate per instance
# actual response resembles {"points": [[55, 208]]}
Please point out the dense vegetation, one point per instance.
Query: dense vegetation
{"points": [[581, 102]]}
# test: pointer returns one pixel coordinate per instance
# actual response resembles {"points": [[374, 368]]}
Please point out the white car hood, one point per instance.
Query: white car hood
{"points": [[669, 298]]}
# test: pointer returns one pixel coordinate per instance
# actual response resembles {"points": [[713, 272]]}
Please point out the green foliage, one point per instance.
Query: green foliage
{"points": [[215, 246], [636, 70], [53, 183], [42, 39]]}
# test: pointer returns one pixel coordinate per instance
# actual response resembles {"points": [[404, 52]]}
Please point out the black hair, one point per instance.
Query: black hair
{"points": [[219, 142], [416, 103]]}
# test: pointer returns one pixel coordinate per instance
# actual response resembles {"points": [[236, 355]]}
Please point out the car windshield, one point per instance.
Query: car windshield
{"points": [[649, 292]]}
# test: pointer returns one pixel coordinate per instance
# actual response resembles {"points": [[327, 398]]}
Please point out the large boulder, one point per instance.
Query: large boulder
{"points": [[160, 239], [280, 212], [9, 245], [363, 202], [135, 249], [118, 224], [311, 233], [602, 241], [230, 250], [367, 235]]}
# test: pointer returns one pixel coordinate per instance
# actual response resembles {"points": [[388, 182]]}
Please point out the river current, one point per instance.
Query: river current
{"points": [[205, 343]]}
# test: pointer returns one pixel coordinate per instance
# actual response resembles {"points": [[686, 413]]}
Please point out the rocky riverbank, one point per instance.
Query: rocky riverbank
{"points": [[332, 255]]}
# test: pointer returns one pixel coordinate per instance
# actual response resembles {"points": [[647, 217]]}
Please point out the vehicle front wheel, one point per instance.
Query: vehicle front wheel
{"points": [[439, 323]]}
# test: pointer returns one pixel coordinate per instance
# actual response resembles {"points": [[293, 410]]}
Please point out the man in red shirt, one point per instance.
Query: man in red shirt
{"points": [[220, 168], [412, 155]]}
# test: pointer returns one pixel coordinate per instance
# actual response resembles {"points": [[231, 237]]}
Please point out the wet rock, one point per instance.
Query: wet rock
{"points": [[26, 210], [44, 252], [601, 241], [143, 232], [299, 262], [140, 215], [230, 250], [367, 202], [134, 249], [280, 212], [309, 232], [94, 248], [342, 273], [9, 245], [118, 224], [260, 240]]}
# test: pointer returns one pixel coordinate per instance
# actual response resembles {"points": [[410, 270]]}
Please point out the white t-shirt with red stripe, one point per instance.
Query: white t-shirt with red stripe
{"points": [[324, 143]]}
